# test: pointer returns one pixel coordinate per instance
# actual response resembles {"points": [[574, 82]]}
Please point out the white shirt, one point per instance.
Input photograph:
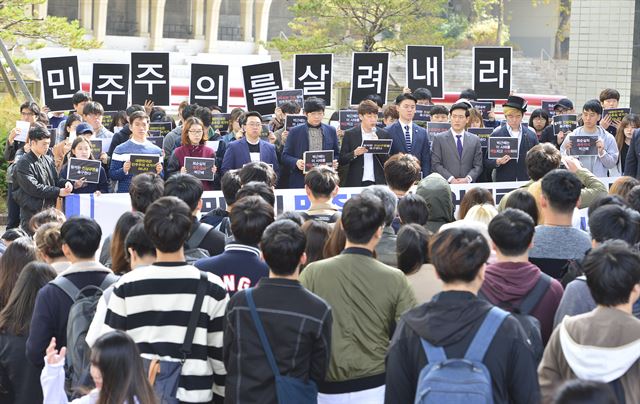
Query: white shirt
{"points": [[367, 172], [404, 129], [455, 137], [514, 133]]}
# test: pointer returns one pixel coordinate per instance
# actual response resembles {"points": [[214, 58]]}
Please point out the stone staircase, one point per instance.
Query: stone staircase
{"points": [[530, 75]]}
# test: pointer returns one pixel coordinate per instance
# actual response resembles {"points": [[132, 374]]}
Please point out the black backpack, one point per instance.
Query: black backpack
{"points": [[192, 250], [81, 314], [529, 323]]}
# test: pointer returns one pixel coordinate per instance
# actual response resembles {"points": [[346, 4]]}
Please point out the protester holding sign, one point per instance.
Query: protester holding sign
{"points": [[607, 149], [138, 144], [61, 149], [250, 147], [193, 145], [457, 154], [507, 168], [314, 136], [81, 149], [624, 135], [564, 106], [539, 121], [364, 167], [609, 99]]}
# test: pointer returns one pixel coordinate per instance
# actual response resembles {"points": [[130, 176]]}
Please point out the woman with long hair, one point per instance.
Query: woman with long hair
{"points": [[19, 378], [21, 252], [116, 369], [119, 263], [629, 123]]}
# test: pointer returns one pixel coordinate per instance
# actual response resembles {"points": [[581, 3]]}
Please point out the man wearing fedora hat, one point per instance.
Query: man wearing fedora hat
{"points": [[507, 168]]}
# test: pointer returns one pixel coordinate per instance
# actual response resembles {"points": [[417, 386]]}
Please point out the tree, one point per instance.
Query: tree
{"points": [[342, 26], [20, 21]]}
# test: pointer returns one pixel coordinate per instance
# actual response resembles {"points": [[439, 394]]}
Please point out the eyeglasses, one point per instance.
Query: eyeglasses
{"points": [[196, 132]]}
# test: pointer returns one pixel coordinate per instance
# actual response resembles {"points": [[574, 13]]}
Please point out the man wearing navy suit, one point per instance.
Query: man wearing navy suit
{"points": [[507, 168], [250, 147], [408, 137], [312, 136]]}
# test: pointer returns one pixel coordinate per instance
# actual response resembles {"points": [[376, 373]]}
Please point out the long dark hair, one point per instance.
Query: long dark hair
{"points": [[19, 253], [117, 357], [317, 234], [15, 318], [70, 120], [119, 263]]}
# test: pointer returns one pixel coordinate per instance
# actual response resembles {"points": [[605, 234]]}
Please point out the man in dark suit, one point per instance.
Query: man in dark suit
{"points": [[250, 147], [631, 166], [363, 168], [507, 168], [457, 154], [409, 137], [312, 136]]}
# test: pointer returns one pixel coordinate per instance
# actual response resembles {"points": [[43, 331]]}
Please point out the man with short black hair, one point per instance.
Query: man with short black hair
{"points": [[423, 96], [386, 247], [92, 113], [158, 323], [258, 171], [80, 240], [189, 189], [321, 186], [401, 171], [609, 98], [363, 168], [37, 184], [125, 133], [564, 106], [240, 266], [603, 344], [608, 222], [297, 323], [362, 291], [312, 136], [439, 114], [449, 325], [230, 184], [556, 240], [512, 279], [457, 154], [250, 148], [607, 149], [408, 137]]}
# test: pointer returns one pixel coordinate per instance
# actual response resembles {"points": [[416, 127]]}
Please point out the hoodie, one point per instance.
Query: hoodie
{"points": [[437, 192], [602, 345], [506, 284], [451, 320]]}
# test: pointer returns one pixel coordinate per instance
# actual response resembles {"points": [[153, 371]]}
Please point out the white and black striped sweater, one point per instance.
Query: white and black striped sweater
{"points": [[152, 304]]}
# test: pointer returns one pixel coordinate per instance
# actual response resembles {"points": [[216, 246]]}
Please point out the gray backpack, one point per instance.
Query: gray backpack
{"points": [[81, 314], [192, 250]]}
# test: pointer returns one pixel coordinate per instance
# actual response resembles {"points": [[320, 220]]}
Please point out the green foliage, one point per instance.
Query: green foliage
{"points": [[484, 32], [342, 26], [18, 22], [9, 114]]}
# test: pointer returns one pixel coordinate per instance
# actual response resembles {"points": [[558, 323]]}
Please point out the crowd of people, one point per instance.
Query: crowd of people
{"points": [[396, 297]]}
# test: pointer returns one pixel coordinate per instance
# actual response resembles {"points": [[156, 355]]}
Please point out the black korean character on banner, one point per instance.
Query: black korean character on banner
{"points": [[492, 72], [209, 85], [110, 85], [150, 78], [313, 75], [60, 80], [425, 69], [261, 82], [369, 75]]}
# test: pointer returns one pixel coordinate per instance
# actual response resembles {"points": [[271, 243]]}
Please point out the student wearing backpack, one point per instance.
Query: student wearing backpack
{"points": [[295, 322], [80, 241], [603, 344], [173, 311], [202, 236], [240, 265], [451, 320], [514, 284]]}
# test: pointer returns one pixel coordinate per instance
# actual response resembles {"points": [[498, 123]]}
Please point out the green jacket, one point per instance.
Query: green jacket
{"points": [[367, 298]]}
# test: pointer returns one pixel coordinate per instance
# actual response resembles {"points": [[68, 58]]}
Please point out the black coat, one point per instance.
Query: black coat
{"points": [[36, 182], [352, 140], [451, 320], [514, 170], [19, 378]]}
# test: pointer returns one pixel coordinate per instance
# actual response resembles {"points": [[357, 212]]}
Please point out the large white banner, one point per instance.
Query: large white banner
{"points": [[107, 208]]}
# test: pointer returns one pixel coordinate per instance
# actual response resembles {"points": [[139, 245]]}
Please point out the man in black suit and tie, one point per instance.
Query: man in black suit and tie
{"points": [[456, 153], [409, 138], [363, 168]]}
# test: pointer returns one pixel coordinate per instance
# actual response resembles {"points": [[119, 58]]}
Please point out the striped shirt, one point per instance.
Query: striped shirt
{"points": [[152, 304]]}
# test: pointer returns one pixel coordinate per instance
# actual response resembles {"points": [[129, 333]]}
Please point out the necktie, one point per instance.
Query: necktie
{"points": [[459, 143], [407, 138]]}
